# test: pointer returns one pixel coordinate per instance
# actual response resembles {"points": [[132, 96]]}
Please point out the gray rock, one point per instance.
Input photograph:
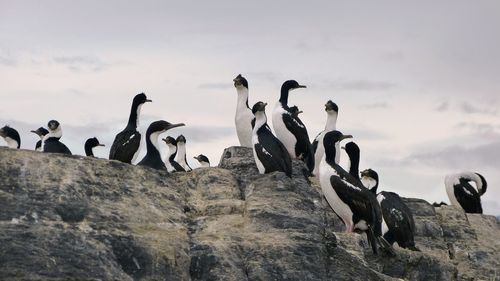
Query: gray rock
{"points": [[72, 217]]}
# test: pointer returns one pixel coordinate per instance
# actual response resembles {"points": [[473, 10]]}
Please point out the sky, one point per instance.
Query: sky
{"points": [[416, 82]]}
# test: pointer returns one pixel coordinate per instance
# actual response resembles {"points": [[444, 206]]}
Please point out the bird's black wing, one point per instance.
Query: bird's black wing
{"points": [[398, 218], [315, 143], [272, 153], [177, 166], [303, 148], [125, 145], [38, 144], [53, 145], [468, 197]]}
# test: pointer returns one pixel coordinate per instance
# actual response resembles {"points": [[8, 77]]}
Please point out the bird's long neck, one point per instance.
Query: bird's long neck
{"points": [[354, 164], [260, 120], [181, 152], [330, 153], [152, 143], [57, 133], [171, 152], [88, 150], [133, 119], [476, 179], [284, 96], [242, 102], [331, 121]]}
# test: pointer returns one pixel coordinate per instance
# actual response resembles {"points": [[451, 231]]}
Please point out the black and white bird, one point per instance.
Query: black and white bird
{"points": [[203, 160], [332, 112], [40, 132], [153, 156], [170, 163], [126, 145], [350, 200], [462, 194], [295, 111], [52, 143], [181, 153], [290, 130], [243, 118], [352, 150], [269, 153], [398, 224], [11, 137], [90, 144]]}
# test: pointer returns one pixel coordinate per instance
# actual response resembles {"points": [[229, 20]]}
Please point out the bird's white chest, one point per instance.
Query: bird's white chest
{"points": [[340, 208], [11, 143], [282, 133], [255, 140], [243, 122], [449, 183]]}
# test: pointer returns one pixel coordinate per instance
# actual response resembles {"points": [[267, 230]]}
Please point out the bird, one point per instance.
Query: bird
{"points": [[332, 112], [41, 132], [352, 150], [125, 147], [294, 110], [462, 194], [90, 144], [204, 162], [152, 158], [352, 202], [52, 143], [181, 153], [269, 153], [398, 224], [243, 118], [290, 130], [11, 137], [170, 163]]}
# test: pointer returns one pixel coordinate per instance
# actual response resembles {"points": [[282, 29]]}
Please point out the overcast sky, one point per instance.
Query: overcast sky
{"points": [[417, 83]]}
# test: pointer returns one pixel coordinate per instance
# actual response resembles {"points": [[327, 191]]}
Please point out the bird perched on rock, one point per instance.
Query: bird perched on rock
{"points": [[52, 143], [269, 153], [40, 132], [90, 144], [153, 157], [126, 145], [243, 118], [462, 194], [203, 160], [11, 136]]}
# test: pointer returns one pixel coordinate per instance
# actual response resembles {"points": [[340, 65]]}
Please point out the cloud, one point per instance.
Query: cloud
{"points": [[474, 109], [360, 85], [486, 130], [7, 59], [81, 63], [442, 107], [456, 156]]}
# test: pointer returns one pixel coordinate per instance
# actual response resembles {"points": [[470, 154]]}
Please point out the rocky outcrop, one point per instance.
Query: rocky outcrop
{"points": [[71, 217]]}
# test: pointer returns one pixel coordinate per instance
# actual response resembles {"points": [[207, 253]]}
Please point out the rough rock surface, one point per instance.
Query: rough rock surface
{"points": [[73, 218]]}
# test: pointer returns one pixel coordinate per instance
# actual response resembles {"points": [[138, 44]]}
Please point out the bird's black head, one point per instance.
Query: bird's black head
{"points": [[170, 140], [483, 184], [93, 142], [369, 173], [294, 110], [259, 106], [291, 85], [202, 158], [332, 137], [352, 148], [331, 106], [53, 125], [181, 138], [140, 99], [162, 126], [240, 82], [40, 131], [4, 130]]}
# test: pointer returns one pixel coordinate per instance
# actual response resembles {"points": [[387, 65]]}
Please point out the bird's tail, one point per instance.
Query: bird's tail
{"points": [[309, 159], [388, 249], [372, 240]]}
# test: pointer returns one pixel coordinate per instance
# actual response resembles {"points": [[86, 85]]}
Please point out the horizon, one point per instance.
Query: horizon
{"points": [[415, 83]]}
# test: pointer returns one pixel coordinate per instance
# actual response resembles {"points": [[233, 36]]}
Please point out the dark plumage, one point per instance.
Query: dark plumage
{"points": [[461, 193], [352, 202], [269, 153], [126, 144], [153, 157], [41, 132], [290, 130], [398, 224], [90, 144], [11, 136], [52, 143], [203, 160], [171, 164]]}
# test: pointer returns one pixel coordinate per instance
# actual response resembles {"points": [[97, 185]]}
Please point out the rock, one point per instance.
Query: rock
{"points": [[72, 217]]}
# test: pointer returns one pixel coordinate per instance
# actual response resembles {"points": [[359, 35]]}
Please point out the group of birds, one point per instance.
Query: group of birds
{"points": [[126, 145], [383, 216], [351, 194]]}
